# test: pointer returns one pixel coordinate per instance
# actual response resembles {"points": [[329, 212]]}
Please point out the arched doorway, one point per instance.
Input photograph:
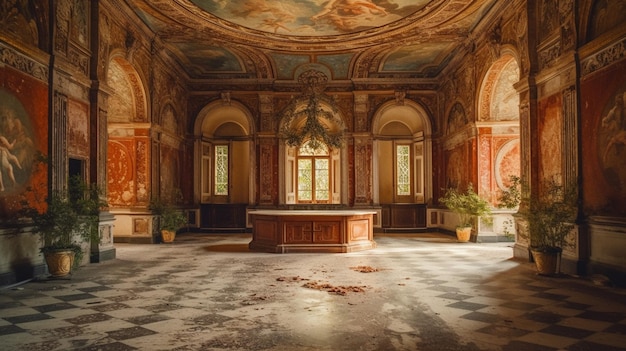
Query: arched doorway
{"points": [[403, 159], [224, 185]]}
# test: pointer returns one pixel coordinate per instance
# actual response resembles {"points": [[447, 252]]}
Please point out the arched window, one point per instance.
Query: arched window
{"points": [[314, 172]]}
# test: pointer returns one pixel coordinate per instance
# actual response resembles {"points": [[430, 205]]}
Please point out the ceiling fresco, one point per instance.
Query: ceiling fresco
{"points": [[214, 38], [311, 17]]}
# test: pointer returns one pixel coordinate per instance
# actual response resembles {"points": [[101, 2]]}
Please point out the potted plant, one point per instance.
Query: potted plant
{"points": [[67, 219], [510, 199], [468, 206], [170, 219], [551, 217], [87, 201]]}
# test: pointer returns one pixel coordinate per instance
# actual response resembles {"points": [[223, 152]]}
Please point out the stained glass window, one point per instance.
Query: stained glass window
{"points": [[403, 170], [221, 170]]}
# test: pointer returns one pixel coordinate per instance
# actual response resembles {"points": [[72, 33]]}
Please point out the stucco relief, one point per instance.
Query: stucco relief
{"points": [[121, 107], [521, 29], [506, 163], [604, 58], [266, 173], [505, 99], [485, 163], [120, 166], [24, 64], [497, 85], [142, 172], [362, 171], [612, 142]]}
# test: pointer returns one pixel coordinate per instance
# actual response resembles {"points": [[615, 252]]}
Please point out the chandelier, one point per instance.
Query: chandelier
{"points": [[314, 131]]}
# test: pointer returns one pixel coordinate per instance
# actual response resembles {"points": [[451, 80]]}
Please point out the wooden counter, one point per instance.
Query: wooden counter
{"points": [[283, 231]]}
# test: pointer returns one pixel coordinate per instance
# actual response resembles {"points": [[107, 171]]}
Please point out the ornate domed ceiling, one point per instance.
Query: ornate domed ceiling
{"points": [[347, 39]]}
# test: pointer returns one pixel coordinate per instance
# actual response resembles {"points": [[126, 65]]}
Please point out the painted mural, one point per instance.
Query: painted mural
{"points": [[78, 121], [604, 152], [455, 168], [550, 137], [612, 142], [121, 180], [311, 17], [607, 15], [17, 149], [415, 57], [203, 57], [457, 118]]}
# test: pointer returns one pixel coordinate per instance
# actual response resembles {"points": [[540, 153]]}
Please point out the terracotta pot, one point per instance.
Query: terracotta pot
{"points": [[463, 234], [60, 262], [168, 236], [546, 262]]}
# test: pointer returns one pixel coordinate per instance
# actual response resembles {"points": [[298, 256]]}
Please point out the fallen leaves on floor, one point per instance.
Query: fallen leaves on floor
{"points": [[339, 290], [364, 269], [291, 279]]}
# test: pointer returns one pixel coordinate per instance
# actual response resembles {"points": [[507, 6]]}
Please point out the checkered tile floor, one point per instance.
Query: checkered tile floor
{"points": [[207, 292]]}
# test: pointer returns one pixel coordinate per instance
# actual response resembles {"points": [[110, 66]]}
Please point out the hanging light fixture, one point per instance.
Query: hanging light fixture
{"points": [[314, 131]]}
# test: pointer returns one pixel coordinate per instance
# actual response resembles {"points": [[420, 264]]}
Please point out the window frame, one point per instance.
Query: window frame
{"points": [[314, 174], [409, 196]]}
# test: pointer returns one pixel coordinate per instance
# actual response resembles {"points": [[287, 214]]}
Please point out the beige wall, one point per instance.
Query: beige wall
{"points": [[385, 171], [240, 172]]}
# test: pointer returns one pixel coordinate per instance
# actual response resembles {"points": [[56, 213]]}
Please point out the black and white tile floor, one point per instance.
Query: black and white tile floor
{"points": [[207, 292]]}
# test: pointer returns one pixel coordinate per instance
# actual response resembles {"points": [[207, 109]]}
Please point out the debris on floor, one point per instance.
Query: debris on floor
{"points": [[339, 290], [364, 269]]}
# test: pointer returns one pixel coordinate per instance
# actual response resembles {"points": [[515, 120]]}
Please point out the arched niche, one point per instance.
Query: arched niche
{"points": [[498, 126], [128, 172], [127, 102], [399, 127]]}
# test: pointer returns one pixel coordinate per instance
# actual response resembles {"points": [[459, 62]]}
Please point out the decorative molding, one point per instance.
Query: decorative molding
{"points": [[604, 57], [548, 56], [23, 64]]}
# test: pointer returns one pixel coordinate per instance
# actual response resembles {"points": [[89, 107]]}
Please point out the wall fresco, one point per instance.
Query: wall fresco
{"points": [[612, 142], [78, 115], [455, 168], [604, 152], [170, 171], [550, 136], [120, 173], [16, 144]]}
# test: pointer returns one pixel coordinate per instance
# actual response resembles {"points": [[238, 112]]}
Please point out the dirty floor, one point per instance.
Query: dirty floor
{"points": [[413, 292]]}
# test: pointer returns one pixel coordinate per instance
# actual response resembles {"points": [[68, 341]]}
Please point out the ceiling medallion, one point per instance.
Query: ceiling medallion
{"points": [[308, 106]]}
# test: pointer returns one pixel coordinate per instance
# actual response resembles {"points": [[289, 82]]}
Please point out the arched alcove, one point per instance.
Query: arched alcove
{"points": [[402, 163], [225, 166], [128, 176], [498, 127]]}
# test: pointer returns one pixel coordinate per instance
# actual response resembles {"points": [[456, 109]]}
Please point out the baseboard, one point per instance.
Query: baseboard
{"points": [[23, 273]]}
